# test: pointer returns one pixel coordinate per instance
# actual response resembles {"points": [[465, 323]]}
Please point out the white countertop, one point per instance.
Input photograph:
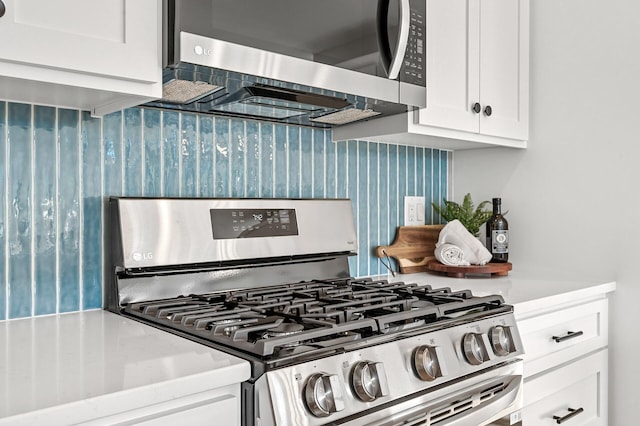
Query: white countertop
{"points": [[81, 357], [527, 293], [81, 361]]}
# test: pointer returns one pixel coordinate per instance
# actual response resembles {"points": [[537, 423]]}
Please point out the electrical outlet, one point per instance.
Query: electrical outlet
{"points": [[413, 211]]}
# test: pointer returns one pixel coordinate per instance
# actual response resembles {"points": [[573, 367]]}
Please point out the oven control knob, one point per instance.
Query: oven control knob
{"points": [[474, 349], [323, 394], [501, 340], [369, 380], [426, 364]]}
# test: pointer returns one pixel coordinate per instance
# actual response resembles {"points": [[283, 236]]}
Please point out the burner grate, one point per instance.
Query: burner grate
{"points": [[270, 320]]}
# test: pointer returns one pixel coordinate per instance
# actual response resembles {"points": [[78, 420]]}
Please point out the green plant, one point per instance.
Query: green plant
{"points": [[472, 218]]}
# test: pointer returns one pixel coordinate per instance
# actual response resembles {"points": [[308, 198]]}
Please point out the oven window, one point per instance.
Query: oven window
{"points": [[253, 223]]}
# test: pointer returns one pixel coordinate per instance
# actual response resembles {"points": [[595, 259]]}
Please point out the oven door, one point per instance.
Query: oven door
{"points": [[493, 397]]}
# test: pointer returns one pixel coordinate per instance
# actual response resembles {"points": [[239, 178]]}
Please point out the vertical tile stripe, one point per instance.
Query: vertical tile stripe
{"points": [[437, 190], [394, 189], [133, 152], [281, 161], [238, 148], [188, 151], [206, 155], [19, 221], [112, 161], [307, 155], [293, 162], [4, 211], [69, 211], [318, 165], [403, 184], [92, 221], [252, 158], [429, 196], [373, 207], [222, 157], [342, 168], [352, 193], [58, 167], [364, 205], [383, 196], [152, 139], [419, 175], [330, 172], [444, 172], [44, 225], [170, 154], [267, 156]]}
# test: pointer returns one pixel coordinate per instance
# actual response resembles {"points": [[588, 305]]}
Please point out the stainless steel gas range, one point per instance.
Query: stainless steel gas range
{"points": [[268, 280]]}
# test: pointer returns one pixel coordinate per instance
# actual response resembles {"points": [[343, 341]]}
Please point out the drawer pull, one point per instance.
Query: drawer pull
{"points": [[572, 413], [569, 335]]}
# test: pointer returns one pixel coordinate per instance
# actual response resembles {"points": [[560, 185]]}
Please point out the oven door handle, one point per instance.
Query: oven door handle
{"points": [[509, 402], [464, 406]]}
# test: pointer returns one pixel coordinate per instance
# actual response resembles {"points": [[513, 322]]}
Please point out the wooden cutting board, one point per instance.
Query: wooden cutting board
{"points": [[413, 251], [413, 247]]}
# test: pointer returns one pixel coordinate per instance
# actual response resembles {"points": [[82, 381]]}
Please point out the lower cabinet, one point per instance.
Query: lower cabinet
{"points": [[216, 407], [565, 362], [574, 394]]}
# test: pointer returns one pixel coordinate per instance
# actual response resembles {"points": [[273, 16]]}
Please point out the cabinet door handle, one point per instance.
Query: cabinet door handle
{"points": [[476, 108], [569, 335], [2, 9], [488, 110], [572, 413]]}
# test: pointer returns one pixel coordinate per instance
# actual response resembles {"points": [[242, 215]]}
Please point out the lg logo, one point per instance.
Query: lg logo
{"points": [[142, 256], [199, 50]]}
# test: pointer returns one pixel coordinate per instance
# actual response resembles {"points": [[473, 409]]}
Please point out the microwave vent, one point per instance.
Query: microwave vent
{"points": [[345, 116], [185, 92]]}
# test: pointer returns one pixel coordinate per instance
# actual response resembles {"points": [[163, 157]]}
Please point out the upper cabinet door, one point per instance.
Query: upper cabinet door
{"points": [[112, 38], [504, 68], [478, 67], [452, 67]]}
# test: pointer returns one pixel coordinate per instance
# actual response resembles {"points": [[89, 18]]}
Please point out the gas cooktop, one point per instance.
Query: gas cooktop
{"points": [[306, 316]]}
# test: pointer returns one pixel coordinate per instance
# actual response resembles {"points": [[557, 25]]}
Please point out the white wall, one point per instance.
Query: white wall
{"points": [[573, 197]]}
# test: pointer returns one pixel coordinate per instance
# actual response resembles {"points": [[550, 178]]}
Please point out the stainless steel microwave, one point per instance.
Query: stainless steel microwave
{"points": [[309, 62]]}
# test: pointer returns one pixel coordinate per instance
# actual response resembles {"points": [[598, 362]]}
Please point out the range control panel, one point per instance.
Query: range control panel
{"points": [[252, 223]]}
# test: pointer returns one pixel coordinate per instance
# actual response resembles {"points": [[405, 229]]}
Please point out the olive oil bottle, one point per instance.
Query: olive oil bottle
{"points": [[498, 234]]}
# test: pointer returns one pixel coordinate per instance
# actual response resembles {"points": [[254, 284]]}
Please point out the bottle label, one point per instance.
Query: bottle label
{"points": [[500, 241]]}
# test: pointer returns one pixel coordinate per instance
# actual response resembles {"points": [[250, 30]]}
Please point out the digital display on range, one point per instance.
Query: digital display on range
{"points": [[252, 223]]}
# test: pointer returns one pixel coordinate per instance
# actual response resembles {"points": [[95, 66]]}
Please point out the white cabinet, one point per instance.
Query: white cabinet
{"points": [[477, 68], [478, 78], [218, 406], [574, 394], [95, 55], [565, 362], [150, 406]]}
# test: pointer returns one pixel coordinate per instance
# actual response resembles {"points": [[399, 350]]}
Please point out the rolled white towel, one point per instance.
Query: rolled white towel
{"points": [[455, 233], [450, 255]]}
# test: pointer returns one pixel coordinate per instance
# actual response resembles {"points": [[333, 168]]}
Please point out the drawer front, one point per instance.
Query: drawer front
{"points": [[575, 394], [556, 337], [206, 408]]}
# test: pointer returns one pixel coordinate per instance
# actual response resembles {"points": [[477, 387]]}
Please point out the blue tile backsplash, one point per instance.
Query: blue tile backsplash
{"points": [[58, 166]]}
